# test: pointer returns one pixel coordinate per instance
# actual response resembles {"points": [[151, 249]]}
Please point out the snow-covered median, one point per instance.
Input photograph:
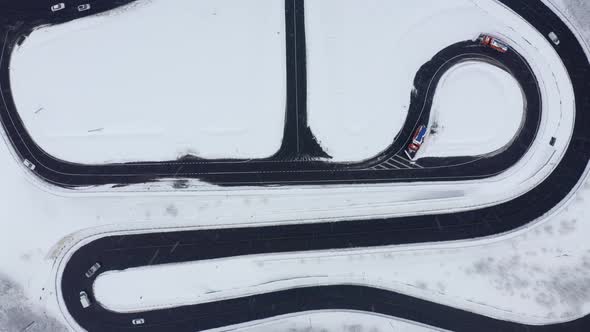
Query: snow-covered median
{"points": [[157, 81], [478, 109]]}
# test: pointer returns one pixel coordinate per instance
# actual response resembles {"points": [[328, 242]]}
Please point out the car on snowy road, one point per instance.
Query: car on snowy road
{"points": [[494, 43], [84, 7], [417, 141], [58, 7], [29, 164], [138, 321], [554, 39], [92, 270], [84, 300]]}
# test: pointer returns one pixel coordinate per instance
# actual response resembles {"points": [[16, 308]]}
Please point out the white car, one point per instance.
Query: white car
{"points": [[29, 164], [554, 38], [92, 270], [58, 6], [138, 321], [84, 300], [84, 7]]}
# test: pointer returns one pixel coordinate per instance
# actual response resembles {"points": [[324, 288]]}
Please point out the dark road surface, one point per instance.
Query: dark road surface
{"points": [[121, 252]]}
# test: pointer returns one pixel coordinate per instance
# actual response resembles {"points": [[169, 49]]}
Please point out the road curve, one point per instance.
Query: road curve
{"points": [[120, 252]]}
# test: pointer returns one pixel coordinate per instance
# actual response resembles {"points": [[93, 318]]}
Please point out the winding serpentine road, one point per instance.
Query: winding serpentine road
{"points": [[117, 252]]}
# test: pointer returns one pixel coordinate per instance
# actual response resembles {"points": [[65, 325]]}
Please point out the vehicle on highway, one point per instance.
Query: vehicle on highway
{"points": [[138, 321], [417, 141], [494, 43], [92, 270], [554, 38], [84, 7], [58, 6], [84, 300], [29, 164]]}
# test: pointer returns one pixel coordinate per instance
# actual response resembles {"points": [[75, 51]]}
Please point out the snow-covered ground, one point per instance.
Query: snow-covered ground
{"points": [[331, 321], [362, 60], [536, 276], [223, 93], [396, 199], [544, 266], [478, 109], [157, 82]]}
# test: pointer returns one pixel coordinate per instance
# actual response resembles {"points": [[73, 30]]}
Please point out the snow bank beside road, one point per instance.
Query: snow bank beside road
{"points": [[157, 82], [478, 109]]}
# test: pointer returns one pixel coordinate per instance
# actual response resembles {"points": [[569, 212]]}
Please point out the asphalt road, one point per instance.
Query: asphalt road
{"points": [[120, 252], [297, 160]]}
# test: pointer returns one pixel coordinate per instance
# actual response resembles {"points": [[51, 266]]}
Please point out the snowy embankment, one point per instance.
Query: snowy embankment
{"points": [[478, 109], [157, 82], [361, 76]]}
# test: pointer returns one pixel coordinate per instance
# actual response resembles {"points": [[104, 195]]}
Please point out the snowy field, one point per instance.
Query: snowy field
{"points": [[344, 202], [361, 74], [208, 81], [537, 274], [478, 109], [223, 94]]}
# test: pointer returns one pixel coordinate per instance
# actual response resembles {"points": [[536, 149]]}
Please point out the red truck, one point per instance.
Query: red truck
{"points": [[494, 43]]}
